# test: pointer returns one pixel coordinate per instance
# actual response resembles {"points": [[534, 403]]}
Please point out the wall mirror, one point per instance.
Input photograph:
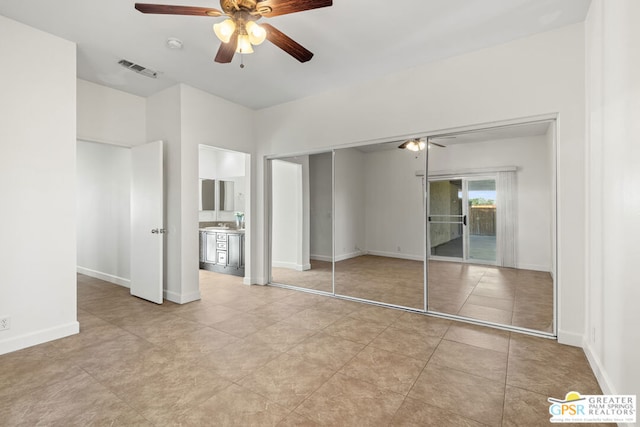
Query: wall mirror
{"points": [[491, 216], [301, 221], [207, 194], [226, 196]]}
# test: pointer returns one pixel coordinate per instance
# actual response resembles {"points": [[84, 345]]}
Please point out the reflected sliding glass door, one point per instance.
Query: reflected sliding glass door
{"points": [[481, 214], [462, 219]]}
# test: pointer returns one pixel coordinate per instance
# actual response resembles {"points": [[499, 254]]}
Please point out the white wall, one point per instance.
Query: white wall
{"points": [[209, 120], [536, 75], [109, 115], [349, 203], [613, 199], [321, 206], [104, 211], [37, 184], [394, 212], [533, 186], [287, 215]]}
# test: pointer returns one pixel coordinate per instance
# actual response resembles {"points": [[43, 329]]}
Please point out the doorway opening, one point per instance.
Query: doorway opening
{"points": [[223, 213]]}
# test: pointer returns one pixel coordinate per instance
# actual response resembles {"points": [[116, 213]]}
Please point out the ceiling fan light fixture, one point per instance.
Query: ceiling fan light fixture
{"points": [[256, 33], [413, 145], [244, 45], [224, 30]]}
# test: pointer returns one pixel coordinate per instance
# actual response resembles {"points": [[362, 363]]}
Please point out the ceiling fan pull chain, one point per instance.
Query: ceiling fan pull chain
{"points": [[241, 61]]}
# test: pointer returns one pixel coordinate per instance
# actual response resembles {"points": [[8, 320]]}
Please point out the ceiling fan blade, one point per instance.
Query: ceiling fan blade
{"points": [[287, 44], [436, 144], [271, 8], [177, 10], [226, 50]]}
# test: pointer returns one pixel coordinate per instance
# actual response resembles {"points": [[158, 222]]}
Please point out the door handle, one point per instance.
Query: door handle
{"points": [[464, 220]]}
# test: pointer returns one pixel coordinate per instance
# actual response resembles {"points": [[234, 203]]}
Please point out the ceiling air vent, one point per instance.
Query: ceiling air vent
{"points": [[138, 69]]}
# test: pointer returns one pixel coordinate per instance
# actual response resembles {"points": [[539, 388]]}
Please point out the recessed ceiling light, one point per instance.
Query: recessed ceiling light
{"points": [[173, 43]]}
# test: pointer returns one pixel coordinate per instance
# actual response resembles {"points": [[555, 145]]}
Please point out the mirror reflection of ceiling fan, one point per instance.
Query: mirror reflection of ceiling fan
{"points": [[240, 31], [419, 144]]}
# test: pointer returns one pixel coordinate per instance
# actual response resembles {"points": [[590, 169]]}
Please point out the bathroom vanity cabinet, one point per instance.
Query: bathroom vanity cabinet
{"points": [[222, 251]]}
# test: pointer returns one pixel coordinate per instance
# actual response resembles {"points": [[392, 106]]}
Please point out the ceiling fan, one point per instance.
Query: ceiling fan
{"points": [[239, 32], [418, 144]]}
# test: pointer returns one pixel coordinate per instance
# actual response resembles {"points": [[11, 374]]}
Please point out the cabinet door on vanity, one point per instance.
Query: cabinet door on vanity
{"points": [[235, 248], [242, 251], [210, 248], [203, 246]]}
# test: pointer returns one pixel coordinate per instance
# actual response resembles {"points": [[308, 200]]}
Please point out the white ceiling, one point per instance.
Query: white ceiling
{"points": [[353, 41]]}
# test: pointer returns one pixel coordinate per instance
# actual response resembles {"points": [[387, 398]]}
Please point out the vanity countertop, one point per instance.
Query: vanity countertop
{"points": [[223, 230]]}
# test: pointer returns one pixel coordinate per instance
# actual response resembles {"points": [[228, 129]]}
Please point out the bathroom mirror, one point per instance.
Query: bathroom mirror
{"points": [[225, 196], [207, 194], [301, 221]]}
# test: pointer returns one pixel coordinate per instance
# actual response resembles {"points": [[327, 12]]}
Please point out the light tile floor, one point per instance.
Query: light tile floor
{"points": [[253, 355]]}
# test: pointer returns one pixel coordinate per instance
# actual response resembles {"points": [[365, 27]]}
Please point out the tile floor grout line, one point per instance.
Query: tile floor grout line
{"points": [[418, 376], [506, 382]]}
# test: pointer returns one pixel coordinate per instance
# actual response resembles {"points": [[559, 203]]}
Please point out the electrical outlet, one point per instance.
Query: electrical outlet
{"points": [[5, 323]]}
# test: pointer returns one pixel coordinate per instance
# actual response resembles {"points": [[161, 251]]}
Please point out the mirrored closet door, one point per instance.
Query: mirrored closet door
{"points": [[491, 234], [380, 225], [473, 237], [301, 221]]}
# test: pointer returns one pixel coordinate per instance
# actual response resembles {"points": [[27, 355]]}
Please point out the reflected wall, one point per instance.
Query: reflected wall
{"points": [[301, 221], [379, 215]]}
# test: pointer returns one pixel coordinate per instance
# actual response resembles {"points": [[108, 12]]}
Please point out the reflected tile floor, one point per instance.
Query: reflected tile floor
{"points": [[507, 296], [254, 355]]}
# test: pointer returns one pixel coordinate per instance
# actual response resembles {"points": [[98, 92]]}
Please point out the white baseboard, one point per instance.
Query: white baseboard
{"points": [[104, 276], [396, 255], [39, 337], [181, 298], [570, 338], [598, 371], [246, 280], [327, 258], [601, 376], [292, 266], [258, 281], [534, 267], [349, 255]]}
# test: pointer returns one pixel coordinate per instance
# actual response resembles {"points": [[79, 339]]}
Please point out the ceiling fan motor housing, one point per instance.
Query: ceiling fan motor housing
{"points": [[230, 6]]}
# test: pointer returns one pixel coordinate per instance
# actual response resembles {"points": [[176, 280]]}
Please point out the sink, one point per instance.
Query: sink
{"points": [[217, 228]]}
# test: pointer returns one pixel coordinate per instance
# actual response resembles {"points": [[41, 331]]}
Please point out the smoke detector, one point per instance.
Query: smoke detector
{"points": [[174, 43], [138, 69]]}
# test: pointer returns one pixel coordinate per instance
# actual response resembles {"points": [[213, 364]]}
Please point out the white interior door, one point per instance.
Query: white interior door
{"points": [[147, 221]]}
